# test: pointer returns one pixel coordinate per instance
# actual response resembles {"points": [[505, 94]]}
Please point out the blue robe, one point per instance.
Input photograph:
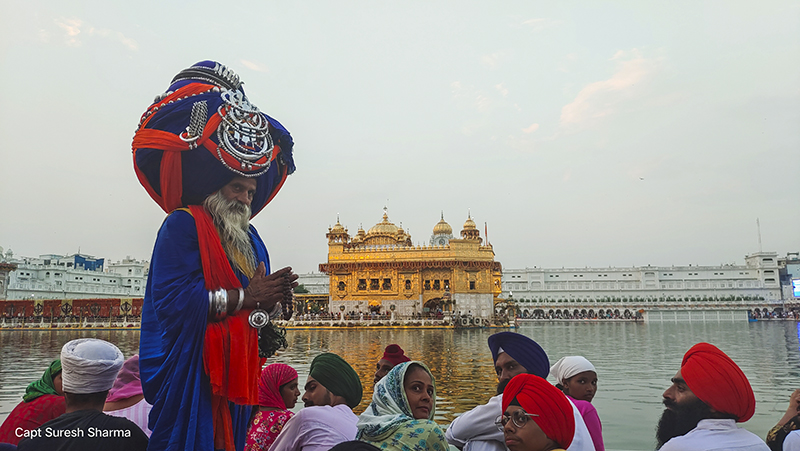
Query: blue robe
{"points": [[174, 319]]}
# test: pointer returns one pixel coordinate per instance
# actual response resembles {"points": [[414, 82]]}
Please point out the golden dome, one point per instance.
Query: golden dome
{"points": [[337, 228], [470, 224], [443, 228], [383, 228]]}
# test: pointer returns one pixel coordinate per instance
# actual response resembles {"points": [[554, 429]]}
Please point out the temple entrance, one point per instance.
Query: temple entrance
{"points": [[433, 308]]}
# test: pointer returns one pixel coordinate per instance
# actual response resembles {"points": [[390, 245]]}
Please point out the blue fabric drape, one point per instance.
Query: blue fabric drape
{"points": [[174, 318]]}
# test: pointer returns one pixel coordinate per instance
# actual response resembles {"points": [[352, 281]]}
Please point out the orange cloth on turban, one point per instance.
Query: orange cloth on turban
{"points": [[717, 381], [536, 395]]}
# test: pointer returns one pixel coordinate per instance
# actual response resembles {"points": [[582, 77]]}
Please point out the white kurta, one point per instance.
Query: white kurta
{"points": [[716, 434], [317, 428], [475, 430], [792, 441]]}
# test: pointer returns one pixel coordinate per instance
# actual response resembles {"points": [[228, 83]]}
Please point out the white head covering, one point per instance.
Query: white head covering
{"points": [[89, 365], [569, 366]]}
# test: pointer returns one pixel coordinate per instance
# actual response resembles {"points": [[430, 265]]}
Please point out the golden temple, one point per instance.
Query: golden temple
{"points": [[380, 270]]}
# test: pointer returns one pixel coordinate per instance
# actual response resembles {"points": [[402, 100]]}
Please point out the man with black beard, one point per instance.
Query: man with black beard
{"points": [[708, 396]]}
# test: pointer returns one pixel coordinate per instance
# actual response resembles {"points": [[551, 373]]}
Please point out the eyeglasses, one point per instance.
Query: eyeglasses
{"points": [[519, 417]]}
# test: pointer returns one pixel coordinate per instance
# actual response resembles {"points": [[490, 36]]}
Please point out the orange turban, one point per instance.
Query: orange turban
{"points": [[538, 396], [717, 381]]}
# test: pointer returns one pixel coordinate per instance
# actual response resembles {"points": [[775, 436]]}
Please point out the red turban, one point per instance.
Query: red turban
{"points": [[269, 386], [395, 355], [717, 381], [536, 395]]}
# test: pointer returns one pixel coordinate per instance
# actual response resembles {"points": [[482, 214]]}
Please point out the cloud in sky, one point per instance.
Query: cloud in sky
{"points": [[603, 98], [258, 67], [502, 89], [474, 97], [532, 128], [74, 27]]}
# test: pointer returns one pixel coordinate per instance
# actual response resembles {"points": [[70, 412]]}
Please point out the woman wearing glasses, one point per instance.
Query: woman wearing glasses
{"points": [[536, 415], [400, 416]]}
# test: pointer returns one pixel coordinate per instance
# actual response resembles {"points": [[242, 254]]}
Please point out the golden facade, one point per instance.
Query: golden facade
{"points": [[381, 270]]}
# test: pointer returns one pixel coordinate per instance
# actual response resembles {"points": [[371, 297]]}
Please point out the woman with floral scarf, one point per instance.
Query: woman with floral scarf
{"points": [[277, 393], [400, 417]]}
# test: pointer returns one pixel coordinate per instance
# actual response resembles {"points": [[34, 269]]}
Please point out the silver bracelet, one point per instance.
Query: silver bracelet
{"points": [[218, 304], [241, 300]]}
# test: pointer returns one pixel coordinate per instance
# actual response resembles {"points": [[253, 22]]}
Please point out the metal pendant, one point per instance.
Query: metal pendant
{"points": [[258, 318]]}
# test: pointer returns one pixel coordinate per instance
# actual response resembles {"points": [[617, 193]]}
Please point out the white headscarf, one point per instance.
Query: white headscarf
{"points": [[89, 365], [569, 366]]}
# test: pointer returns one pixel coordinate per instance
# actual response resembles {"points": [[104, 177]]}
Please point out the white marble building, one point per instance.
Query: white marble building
{"points": [[756, 280], [75, 276]]}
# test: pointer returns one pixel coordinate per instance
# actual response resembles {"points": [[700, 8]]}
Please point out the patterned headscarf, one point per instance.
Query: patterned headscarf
{"points": [[269, 386], [43, 386], [389, 407]]}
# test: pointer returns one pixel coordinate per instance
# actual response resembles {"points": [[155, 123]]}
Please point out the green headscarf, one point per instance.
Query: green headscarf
{"points": [[45, 385], [338, 377]]}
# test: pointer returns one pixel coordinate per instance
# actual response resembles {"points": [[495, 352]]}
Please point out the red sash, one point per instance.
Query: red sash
{"points": [[230, 348]]}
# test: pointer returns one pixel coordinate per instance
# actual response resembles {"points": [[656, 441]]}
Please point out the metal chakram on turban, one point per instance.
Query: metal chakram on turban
{"points": [[201, 133]]}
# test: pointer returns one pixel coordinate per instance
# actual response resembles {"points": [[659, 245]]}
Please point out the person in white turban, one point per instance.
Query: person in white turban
{"points": [[89, 368], [577, 378]]}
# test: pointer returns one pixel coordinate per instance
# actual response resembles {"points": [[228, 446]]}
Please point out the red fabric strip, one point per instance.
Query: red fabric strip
{"points": [[230, 348]]}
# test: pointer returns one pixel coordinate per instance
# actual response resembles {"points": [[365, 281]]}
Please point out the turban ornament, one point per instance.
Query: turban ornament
{"points": [[537, 396], [525, 351], [718, 381], [202, 132]]}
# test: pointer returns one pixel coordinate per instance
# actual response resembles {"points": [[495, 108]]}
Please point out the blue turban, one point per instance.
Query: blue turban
{"points": [[525, 351]]}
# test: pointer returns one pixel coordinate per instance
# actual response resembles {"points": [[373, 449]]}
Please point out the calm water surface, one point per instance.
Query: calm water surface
{"points": [[634, 363]]}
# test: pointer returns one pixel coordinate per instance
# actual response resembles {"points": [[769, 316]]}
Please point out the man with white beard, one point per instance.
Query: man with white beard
{"points": [[212, 161]]}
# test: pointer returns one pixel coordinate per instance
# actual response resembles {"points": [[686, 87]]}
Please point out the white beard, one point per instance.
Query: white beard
{"points": [[232, 220]]}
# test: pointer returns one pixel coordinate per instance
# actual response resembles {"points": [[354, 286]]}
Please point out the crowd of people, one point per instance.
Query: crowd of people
{"points": [[212, 161], [92, 399]]}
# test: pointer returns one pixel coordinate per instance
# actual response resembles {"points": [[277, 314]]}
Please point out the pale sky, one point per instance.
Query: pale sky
{"points": [[584, 133]]}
